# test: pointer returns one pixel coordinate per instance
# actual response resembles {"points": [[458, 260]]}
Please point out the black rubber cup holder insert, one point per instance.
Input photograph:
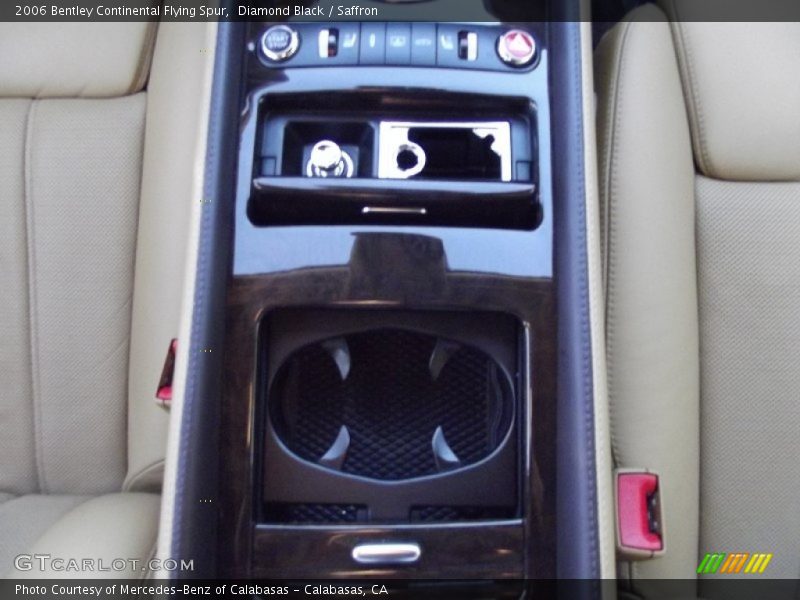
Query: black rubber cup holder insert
{"points": [[391, 404]]}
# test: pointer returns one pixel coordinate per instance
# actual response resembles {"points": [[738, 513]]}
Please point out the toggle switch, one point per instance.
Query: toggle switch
{"points": [[328, 42], [467, 45]]}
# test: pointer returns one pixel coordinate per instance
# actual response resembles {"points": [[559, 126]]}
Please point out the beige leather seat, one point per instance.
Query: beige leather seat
{"points": [[96, 159], [699, 129]]}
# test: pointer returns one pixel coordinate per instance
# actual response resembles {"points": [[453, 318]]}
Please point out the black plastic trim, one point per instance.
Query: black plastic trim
{"points": [[311, 201]]}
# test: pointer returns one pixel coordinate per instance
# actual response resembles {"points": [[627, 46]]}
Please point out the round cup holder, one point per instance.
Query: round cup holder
{"points": [[391, 404]]}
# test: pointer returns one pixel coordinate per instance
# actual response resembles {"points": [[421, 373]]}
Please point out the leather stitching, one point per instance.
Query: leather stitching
{"points": [[32, 300], [616, 120], [686, 62], [142, 73], [582, 259], [615, 111]]}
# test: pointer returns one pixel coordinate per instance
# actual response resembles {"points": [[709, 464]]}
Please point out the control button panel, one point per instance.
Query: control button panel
{"points": [[423, 44], [447, 45], [373, 44], [398, 44]]}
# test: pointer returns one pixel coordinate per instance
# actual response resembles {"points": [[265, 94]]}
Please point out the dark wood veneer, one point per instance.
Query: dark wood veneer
{"points": [[449, 551], [243, 551], [409, 268]]}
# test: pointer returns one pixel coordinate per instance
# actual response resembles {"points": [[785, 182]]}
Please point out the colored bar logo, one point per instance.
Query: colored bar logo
{"points": [[736, 562]]}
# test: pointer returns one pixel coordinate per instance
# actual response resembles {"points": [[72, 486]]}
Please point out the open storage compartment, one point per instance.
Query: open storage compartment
{"points": [[465, 160], [389, 417]]}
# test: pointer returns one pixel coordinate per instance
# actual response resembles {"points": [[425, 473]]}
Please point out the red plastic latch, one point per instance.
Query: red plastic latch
{"points": [[639, 515], [164, 391]]}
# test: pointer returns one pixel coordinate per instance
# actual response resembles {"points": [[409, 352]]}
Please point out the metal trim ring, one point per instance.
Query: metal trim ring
{"points": [[286, 53]]}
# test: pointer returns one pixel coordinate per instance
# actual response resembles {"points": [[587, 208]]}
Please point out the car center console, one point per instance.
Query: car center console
{"points": [[390, 316], [388, 397]]}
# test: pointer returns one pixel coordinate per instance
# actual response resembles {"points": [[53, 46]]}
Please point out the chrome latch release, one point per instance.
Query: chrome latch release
{"points": [[386, 553]]}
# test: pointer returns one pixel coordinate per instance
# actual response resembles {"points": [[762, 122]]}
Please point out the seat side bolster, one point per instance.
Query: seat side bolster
{"points": [[171, 137], [647, 199]]}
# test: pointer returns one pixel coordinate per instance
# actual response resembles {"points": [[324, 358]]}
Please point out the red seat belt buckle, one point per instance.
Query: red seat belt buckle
{"points": [[640, 514], [164, 391]]}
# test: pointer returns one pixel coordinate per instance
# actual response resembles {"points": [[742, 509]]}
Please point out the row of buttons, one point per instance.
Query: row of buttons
{"points": [[414, 44]]}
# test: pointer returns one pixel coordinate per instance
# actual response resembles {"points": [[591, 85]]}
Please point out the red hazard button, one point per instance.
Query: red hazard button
{"points": [[516, 48]]}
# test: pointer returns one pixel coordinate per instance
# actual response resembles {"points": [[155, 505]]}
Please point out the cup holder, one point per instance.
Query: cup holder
{"points": [[391, 404], [387, 417]]}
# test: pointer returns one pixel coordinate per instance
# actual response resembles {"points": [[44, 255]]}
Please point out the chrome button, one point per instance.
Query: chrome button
{"points": [[279, 43], [516, 48]]}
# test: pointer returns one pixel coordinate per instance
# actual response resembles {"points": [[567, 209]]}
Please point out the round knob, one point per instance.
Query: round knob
{"points": [[327, 159], [279, 43], [516, 48]]}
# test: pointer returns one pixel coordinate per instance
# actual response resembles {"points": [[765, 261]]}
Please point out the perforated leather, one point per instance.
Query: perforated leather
{"points": [[71, 171], [749, 273], [18, 470], [83, 168]]}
